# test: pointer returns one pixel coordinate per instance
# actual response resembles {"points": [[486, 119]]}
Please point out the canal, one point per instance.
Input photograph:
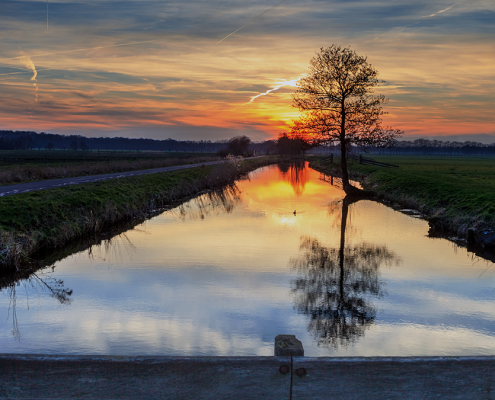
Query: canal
{"points": [[281, 252]]}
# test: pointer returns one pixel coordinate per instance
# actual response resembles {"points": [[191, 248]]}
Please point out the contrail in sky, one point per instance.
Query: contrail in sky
{"points": [[276, 87], [29, 64], [126, 44], [251, 20], [441, 11], [423, 17]]}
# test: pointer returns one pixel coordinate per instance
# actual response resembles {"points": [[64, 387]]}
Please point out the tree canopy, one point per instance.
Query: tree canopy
{"points": [[237, 146], [338, 103]]}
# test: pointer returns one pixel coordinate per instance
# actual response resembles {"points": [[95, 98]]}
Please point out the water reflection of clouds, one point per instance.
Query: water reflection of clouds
{"points": [[475, 314], [221, 285], [176, 319], [396, 339], [139, 333]]}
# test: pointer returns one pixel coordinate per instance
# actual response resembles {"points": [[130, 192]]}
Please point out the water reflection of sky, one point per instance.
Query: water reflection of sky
{"points": [[216, 277]]}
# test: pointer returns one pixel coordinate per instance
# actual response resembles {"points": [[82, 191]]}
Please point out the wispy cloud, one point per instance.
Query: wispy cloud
{"points": [[165, 64], [77, 50], [83, 95], [250, 21]]}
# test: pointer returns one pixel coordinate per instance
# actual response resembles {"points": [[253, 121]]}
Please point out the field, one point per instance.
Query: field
{"points": [[456, 193], [17, 166]]}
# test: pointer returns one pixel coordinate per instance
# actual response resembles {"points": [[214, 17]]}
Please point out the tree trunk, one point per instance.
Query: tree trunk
{"points": [[343, 224], [343, 153], [343, 165]]}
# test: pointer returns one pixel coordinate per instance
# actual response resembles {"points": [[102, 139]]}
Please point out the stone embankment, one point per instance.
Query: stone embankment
{"points": [[56, 377]]}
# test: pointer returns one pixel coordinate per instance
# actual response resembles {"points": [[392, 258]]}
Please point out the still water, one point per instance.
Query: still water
{"points": [[283, 252]]}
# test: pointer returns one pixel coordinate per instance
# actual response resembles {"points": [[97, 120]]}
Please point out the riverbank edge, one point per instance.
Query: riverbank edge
{"points": [[53, 218], [464, 230], [254, 377]]}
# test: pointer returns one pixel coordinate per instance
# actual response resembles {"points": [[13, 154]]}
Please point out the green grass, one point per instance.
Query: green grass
{"points": [[42, 209], [52, 218], [455, 192]]}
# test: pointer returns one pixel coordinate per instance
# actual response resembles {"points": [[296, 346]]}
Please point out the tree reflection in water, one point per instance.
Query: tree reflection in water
{"points": [[40, 281], [223, 200], [114, 248], [296, 173], [335, 286]]}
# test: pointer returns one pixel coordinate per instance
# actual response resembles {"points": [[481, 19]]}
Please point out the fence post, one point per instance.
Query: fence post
{"points": [[331, 158], [360, 159]]}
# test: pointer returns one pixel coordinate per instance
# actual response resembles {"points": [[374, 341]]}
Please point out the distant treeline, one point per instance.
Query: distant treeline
{"points": [[438, 147], [22, 140], [425, 147]]}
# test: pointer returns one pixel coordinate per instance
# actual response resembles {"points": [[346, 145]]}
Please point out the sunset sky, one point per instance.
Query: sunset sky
{"points": [[196, 69]]}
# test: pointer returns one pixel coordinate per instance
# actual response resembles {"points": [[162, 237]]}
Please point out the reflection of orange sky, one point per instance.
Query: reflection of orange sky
{"points": [[258, 233], [297, 175], [283, 195], [262, 233]]}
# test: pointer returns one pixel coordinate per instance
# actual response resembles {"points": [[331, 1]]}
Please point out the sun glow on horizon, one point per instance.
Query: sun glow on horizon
{"points": [[131, 74]]}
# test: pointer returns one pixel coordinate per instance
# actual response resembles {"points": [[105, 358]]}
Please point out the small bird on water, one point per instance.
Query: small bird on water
{"points": [[294, 212]]}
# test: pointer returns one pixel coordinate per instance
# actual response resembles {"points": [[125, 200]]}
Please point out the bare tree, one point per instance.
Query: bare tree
{"points": [[339, 106]]}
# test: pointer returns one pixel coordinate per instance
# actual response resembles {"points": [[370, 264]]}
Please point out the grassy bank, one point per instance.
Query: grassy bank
{"points": [[18, 166], [455, 193], [52, 218]]}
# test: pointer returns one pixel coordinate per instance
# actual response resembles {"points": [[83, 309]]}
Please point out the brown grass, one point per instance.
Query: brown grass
{"points": [[30, 173]]}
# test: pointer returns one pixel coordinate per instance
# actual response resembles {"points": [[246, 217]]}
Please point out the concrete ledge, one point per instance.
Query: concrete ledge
{"points": [[122, 377]]}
